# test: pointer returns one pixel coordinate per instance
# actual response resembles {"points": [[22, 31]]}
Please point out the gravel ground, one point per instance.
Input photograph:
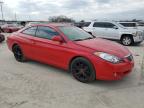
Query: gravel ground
{"points": [[36, 85]]}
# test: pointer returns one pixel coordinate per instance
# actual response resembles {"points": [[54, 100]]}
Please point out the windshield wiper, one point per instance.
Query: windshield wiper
{"points": [[88, 38], [78, 40], [84, 39]]}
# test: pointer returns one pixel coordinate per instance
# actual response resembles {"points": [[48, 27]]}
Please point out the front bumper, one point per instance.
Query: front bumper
{"points": [[108, 71], [138, 38]]}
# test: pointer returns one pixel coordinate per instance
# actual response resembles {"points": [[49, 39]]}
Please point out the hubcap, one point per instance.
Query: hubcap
{"points": [[126, 41], [81, 71]]}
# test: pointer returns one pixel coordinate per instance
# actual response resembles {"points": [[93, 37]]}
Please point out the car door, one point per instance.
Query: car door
{"points": [[27, 41], [111, 31], [98, 29], [105, 30], [49, 51]]}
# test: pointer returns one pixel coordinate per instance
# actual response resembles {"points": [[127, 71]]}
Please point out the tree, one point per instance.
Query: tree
{"points": [[60, 18]]}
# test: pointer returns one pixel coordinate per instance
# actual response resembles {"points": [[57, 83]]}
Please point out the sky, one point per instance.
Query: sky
{"points": [[77, 9]]}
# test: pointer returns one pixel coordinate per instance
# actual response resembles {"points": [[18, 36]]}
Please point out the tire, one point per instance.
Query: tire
{"points": [[82, 70], [127, 40], [18, 54], [2, 38]]}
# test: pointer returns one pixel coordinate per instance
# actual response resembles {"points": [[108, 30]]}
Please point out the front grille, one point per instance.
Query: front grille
{"points": [[129, 57]]}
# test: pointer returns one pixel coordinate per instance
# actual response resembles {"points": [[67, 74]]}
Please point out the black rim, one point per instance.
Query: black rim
{"points": [[81, 71], [18, 53]]}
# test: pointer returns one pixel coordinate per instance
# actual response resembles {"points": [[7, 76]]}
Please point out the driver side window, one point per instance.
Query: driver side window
{"points": [[45, 32], [109, 25]]}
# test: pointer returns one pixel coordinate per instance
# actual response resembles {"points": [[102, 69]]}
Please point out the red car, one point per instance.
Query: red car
{"points": [[70, 48], [9, 28]]}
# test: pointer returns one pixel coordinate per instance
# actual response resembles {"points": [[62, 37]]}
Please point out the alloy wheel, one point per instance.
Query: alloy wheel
{"points": [[126, 40], [82, 70]]}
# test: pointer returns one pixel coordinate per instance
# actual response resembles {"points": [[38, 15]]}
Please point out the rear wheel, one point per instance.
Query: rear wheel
{"points": [[82, 70], [127, 40], [18, 54], [1, 39]]}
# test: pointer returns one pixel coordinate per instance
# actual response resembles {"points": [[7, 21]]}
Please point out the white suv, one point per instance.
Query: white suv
{"points": [[115, 31]]}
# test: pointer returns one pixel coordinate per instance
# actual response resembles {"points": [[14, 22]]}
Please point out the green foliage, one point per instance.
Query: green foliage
{"points": [[60, 18]]}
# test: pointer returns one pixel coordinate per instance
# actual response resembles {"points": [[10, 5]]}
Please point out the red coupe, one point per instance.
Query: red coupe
{"points": [[70, 48]]}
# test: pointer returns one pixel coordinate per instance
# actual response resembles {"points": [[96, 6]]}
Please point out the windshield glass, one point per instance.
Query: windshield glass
{"points": [[76, 34]]}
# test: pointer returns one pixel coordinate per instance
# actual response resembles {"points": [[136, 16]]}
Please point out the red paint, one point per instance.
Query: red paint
{"points": [[60, 51]]}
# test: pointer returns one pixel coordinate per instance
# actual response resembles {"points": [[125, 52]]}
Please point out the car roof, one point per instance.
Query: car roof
{"points": [[53, 24], [127, 22]]}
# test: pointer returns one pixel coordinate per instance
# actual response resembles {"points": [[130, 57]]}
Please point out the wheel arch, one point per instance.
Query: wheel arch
{"points": [[131, 36]]}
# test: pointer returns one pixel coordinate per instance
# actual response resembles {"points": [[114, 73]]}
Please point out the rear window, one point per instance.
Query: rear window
{"points": [[128, 24]]}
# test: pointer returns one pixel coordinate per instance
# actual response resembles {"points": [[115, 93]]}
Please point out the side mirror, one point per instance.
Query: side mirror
{"points": [[115, 27], [57, 38]]}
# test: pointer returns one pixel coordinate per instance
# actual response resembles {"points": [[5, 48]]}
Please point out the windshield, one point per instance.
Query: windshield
{"points": [[76, 34], [129, 24]]}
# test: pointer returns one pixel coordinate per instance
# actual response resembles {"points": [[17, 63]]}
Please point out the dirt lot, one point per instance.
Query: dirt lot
{"points": [[35, 85]]}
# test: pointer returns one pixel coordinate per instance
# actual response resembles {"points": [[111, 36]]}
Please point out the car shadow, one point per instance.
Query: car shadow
{"points": [[52, 69], [108, 85]]}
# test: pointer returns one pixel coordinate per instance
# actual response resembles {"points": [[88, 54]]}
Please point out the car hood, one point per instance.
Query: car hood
{"points": [[106, 46]]}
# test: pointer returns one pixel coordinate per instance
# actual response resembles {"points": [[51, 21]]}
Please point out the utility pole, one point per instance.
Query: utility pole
{"points": [[1, 4], [15, 17]]}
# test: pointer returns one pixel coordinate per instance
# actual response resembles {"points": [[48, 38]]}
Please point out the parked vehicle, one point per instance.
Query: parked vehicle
{"points": [[115, 31], [71, 48], [2, 38], [9, 28], [133, 25]]}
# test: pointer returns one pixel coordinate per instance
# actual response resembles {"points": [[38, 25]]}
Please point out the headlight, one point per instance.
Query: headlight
{"points": [[135, 33], [138, 33], [108, 57]]}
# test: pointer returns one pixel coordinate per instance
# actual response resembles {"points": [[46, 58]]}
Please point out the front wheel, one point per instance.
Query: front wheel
{"points": [[82, 70], [127, 40]]}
